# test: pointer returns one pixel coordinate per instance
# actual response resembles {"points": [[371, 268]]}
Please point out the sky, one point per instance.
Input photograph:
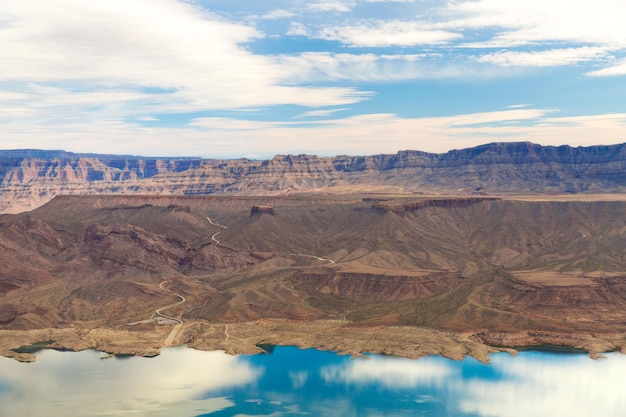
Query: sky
{"points": [[256, 78]]}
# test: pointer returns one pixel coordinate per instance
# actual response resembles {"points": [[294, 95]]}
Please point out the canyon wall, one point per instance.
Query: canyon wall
{"points": [[30, 178]]}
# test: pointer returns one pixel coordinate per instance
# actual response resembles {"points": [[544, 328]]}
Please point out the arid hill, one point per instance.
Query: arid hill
{"points": [[326, 271], [30, 178]]}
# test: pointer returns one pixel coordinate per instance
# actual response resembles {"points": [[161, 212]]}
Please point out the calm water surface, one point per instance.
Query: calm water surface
{"points": [[290, 382]]}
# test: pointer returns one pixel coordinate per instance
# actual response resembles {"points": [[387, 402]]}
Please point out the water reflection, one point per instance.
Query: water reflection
{"points": [[80, 384], [548, 385], [290, 382], [391, 372]]}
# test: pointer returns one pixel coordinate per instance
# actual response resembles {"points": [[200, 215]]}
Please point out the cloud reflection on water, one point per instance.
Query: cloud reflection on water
{"points": [[531, 384], [298, 379], [391, 372], [79, 384], [534, 384], [189, 383]]}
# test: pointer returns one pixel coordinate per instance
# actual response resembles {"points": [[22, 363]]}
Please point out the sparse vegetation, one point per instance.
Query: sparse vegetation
{"points": [[338, 264]]}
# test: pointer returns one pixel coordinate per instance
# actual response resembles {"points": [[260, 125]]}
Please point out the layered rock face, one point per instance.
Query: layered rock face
{"points": [[30, 178]]}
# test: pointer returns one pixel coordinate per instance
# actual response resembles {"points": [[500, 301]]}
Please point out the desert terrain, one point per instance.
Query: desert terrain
{"points": [[401, 274], [30, 178]]}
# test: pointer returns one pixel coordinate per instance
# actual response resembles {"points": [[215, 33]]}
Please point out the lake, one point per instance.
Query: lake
{"points": [[184, 382]]}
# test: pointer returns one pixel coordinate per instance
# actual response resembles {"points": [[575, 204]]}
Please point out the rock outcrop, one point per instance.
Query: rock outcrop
{"points": [[259, 210], [30, 178], [437, 202]]}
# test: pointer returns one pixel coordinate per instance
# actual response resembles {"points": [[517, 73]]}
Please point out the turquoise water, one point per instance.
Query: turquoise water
{"points": [[291, 382]]}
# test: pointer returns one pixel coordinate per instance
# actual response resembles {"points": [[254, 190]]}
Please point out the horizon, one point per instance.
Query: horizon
{"points": [[93, 154], [228, 80]]}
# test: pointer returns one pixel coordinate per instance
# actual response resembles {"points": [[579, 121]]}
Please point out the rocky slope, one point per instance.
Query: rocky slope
{"points": [[405, 275], [457, 264], [30, 178]]}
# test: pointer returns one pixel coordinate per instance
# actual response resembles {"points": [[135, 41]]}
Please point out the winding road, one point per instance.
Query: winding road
{"points": [[182, 300], [330, 261], [217, 242], [165, 319], [162, 319], [179, 322]]}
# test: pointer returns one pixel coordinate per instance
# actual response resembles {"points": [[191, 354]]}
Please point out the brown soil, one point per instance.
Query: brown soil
{"points": [[439, 276]]}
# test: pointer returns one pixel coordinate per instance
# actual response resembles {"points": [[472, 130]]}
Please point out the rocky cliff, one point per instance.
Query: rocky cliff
{"points": [[30, 178]]}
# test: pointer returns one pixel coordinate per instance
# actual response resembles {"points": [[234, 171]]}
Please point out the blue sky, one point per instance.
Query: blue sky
{"points": [[248, 78]]}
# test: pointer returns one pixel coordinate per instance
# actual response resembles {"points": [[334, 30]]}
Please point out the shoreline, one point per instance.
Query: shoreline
{"points": [[245, 338]]}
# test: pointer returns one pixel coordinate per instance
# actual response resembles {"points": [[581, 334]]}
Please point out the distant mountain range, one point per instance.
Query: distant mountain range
{"points": [[30, 178]]}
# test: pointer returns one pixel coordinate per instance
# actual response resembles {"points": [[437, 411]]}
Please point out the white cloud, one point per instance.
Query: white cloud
{"points": [[554, 33], [611, 71], [113, 41], [277, 14], [226, 124], [298, 29], [320, 113], [118, 59], [494, 117], [387, 33], [75, 75], [597, 22], [549, 58], [584, 30], [331, 5], [323, 66], [362, 134]]}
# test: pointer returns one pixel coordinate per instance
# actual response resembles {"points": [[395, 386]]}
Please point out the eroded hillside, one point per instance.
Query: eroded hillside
{"points": [[497, 270]]}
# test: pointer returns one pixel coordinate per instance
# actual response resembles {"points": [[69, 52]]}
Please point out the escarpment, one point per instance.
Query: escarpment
{"points": [[30, 178], [437, 202], [259, 210]]}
